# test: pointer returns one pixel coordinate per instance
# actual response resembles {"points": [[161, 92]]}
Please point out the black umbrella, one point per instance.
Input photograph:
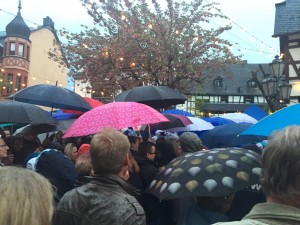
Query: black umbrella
{"points": [[157, 97], [227, 135], [215, 173], [19, 112], [35, 129], [51, 96], [174, 121]]}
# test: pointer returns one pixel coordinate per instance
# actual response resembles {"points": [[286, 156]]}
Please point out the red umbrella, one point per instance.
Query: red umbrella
{"points": [[116, 115], [92, 102]]}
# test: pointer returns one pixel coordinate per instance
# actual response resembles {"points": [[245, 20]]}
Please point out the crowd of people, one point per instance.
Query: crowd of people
{"points": [[104, 179]]}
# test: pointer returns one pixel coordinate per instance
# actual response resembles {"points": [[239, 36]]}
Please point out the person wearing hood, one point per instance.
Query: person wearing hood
{"points": [[190, 142]]}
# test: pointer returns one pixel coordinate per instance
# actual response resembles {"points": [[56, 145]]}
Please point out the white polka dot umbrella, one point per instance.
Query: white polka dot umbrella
{"points": [[218, 172], [116, 115]]}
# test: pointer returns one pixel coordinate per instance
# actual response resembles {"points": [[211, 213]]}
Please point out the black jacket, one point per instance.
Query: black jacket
{"points": [[106, 200]]}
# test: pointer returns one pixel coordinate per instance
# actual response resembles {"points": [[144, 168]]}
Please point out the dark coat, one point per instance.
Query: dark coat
{"points": [[105, 200], [157, 212]]}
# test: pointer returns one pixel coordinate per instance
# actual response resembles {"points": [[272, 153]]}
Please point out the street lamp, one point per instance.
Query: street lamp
{"points": [[274, 88]]}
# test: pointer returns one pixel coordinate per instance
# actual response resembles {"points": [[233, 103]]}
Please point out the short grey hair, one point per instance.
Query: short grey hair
{"points": [[281, 163]]}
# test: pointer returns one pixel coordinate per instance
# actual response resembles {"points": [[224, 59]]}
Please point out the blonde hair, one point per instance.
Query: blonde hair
{"points": [[26, 197], [83, 164], [108, 151], [68, 150]]}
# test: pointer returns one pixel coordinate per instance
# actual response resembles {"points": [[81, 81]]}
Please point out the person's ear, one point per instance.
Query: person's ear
{"points": [[127, 161]]}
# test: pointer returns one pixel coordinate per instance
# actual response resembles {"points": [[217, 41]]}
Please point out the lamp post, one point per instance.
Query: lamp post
{"points": [[274, 88]]}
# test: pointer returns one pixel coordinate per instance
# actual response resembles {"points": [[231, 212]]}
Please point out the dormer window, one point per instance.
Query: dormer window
{"points": [[251, 83], [218, 82]]}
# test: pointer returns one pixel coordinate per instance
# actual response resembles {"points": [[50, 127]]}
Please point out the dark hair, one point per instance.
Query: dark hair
{"points": [[145, 147], [166, 152], [132, 139]]}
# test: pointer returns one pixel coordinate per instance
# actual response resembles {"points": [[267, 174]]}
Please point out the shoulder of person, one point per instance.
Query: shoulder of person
{"points": [[242, 222]]}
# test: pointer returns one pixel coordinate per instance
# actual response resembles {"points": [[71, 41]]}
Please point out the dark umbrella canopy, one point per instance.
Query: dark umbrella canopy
{"points": [[157, 97], [174, 121], [215, 173], [19, 112], [35, 129], [227, 135], [51, 96]]}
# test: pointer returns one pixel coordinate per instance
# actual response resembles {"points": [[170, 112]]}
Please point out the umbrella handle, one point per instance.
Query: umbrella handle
{"points": [[149, 131]]}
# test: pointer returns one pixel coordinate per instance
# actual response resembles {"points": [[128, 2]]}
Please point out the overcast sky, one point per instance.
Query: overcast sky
{"points": [[256, 17]]}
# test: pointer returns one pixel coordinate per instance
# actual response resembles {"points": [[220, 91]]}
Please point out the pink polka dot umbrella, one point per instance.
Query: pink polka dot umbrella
{"points": [[116, 115]]}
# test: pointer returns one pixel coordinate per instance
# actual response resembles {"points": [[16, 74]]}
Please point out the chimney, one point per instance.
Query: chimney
{"points": [[47, 22]]}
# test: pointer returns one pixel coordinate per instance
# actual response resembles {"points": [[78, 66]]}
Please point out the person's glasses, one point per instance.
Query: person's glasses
{"points": [[152, 153], [3, 146]]}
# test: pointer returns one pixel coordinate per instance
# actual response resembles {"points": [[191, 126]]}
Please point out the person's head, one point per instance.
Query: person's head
{"points": [[280, 175], [148, 150], [71, 151], [7, 133], [178, 149], [3, 149], [26, 197], [83, 165], [165, 152], [58, 135], [190, 142], [134, 142], [109, 152], [58, 169]]}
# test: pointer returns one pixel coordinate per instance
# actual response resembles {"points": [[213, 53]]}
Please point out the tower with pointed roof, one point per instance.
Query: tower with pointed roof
{"points": [[16, 54], [24, 56]]}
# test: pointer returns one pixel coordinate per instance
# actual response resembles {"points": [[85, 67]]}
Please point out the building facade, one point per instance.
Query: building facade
{"points": [[231, 90], [287, 28], [24, 59]]}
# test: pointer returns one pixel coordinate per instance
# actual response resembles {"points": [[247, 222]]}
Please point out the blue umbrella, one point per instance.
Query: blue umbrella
{"points": [[60, 115], [256, 112], [217, 121], [285, 117], [178, 112], [227, 135]]}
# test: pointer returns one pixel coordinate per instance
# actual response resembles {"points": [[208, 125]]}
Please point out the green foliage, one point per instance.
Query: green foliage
{"points": [[134, 43], [3, 81]]}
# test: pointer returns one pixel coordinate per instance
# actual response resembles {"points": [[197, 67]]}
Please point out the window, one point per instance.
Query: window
{"points": [[10, 83], [214, 99], [259, 99], [224, 99], [249, 99], [235, 99], [28, 51], [21, 50], [218, 82], [18, 82], [12, 48]]}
